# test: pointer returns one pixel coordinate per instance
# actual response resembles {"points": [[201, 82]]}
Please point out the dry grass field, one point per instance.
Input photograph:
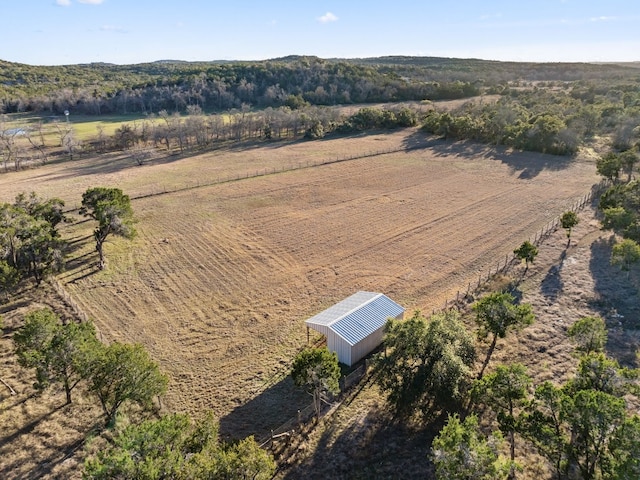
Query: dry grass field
{"points": [[220, 279], [360, 440]]}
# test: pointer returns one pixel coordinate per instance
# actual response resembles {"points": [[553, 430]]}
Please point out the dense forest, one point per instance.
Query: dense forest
{"points": [[218, 86]]}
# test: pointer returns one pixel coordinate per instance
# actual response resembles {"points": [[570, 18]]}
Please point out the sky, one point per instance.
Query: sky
{"points": [[61, 32]]}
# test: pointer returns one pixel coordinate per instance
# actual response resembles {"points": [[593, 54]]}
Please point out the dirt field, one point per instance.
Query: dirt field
{"points": [[220, 279], [360, 440]]}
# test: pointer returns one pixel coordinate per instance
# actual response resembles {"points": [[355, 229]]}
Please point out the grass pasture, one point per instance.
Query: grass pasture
{"points": [[220, 279]]}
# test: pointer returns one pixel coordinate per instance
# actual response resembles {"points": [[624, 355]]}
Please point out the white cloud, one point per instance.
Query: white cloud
{"points": [[63, 3], [327, 17], [91, 2], [601, 19]]}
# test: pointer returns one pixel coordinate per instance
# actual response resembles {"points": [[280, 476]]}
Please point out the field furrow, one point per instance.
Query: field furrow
{"points": [[220, 279]]}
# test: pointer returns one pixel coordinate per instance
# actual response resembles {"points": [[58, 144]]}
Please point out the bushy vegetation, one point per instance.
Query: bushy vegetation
{"points": [[177, 447], [30, 245], [547, 120], [426, 366]]}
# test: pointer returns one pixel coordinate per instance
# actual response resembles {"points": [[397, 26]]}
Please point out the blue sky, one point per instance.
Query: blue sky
{"points": [[55, 32]]}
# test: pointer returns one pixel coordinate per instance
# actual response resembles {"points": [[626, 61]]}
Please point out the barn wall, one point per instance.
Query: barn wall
{"points": [[323, 329], [342, 348], [367, 345]]}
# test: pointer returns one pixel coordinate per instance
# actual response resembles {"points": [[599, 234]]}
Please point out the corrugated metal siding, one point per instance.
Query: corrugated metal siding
{"points": [[365, 320], [362, 348], [337, 344], [340, 309], [355, 325]]}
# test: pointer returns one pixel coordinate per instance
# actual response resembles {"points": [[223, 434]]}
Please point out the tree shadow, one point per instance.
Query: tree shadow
{"points": [[526, 165], [29, 427], [552, 284], [373, 445], [266, 412], [617, 301], [81, 262]]}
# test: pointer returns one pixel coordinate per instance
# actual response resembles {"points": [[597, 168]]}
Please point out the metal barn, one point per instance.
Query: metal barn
{"points": [[355, 326]]}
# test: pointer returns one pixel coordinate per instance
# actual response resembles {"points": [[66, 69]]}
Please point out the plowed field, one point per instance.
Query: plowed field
{"points": [[220, 279]]}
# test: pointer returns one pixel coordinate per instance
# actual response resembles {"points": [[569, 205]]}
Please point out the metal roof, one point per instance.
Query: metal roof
{"points": [[357, 316]]}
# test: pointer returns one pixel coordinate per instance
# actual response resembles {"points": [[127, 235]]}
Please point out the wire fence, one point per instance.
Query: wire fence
{"points": [[222, 179], [296, 424], [464, 297]]}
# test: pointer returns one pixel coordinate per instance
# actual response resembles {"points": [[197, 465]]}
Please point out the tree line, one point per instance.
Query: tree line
{"points": [[197, 131], [556, 121], [149, 88], [172, 85]]}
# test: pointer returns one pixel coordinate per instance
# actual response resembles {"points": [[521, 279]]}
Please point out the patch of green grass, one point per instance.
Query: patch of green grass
{"points": [[86, 127]]}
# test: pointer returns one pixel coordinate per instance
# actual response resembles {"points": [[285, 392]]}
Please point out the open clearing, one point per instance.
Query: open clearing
{"points": [[220, 279]]}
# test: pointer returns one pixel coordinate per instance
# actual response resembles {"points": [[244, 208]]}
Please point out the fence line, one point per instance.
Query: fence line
{"points": [[191, 185], [296, 424], [511, 260], [62, 292]]}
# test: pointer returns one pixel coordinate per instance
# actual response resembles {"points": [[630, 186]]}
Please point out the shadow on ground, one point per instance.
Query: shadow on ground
{"points": [[267, 411], [371, 446], [617, 301], [526, 165], [552, 284]]}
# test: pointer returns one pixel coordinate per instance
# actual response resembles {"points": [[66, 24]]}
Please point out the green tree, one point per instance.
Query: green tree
{"points": [[29, 241], [59, 353], [542, 425], [628, 160], [125, 373], [50, 210], [618, 219], [40, 251], [112, 210], [583, 428], [624, 447], [462, 452], [596, 371], [505, 391], [176, 447], [592, 417], [9, 278], [317, 370], [569, 220], [609, 166], [625, 253], [427, 363], [14, 222], [527, 252], [589, 334], [496, 315]]}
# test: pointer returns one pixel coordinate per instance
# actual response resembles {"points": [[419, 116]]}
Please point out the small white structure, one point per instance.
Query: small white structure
{"points": [[355, 326]]}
